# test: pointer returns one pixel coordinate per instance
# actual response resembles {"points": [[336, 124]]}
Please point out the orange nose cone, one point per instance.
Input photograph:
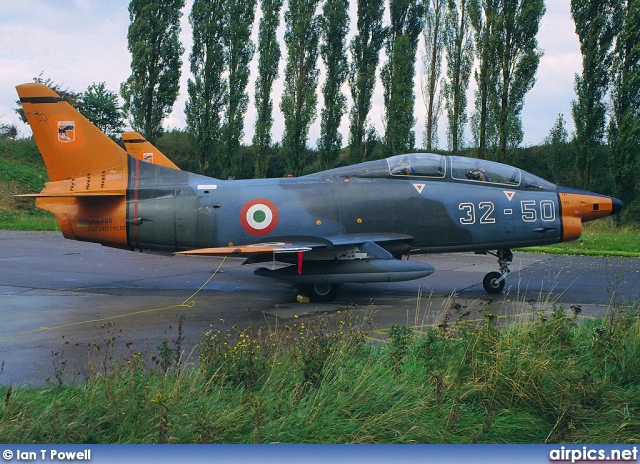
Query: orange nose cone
{"points": [[579, 207]]}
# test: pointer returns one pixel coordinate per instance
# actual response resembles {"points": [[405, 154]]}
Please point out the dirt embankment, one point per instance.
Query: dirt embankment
{"points": [[21, 171], [8, 200]]}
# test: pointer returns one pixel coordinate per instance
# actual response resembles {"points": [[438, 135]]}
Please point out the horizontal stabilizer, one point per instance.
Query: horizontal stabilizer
{"points": [[102, 193]]}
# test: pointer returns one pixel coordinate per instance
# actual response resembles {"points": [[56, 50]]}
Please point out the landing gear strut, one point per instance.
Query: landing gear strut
{"points": [[493, 282]]}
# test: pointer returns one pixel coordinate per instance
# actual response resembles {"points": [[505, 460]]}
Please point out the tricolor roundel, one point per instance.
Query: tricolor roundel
{"points": [[259, 216]]}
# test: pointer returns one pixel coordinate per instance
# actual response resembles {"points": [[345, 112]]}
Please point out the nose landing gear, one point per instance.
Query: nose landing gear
{"points": [[494, 282]]}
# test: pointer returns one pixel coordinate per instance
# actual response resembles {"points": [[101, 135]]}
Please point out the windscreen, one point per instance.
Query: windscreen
{"points": [[477, 170], [417, 164]]}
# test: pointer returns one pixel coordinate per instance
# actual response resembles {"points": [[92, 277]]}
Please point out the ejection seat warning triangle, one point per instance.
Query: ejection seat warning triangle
{"points": [[509, 193], [419, 187]]}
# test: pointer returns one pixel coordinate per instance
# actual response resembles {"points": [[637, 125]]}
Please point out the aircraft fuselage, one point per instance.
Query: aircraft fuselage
{"points": [[176, 210]]}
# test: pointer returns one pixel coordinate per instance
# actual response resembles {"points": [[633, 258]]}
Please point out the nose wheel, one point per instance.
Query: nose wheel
{"points": [[494, 282]]}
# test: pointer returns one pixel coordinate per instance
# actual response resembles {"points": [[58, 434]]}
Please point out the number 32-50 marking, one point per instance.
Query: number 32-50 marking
{"points": [[531, 211]]}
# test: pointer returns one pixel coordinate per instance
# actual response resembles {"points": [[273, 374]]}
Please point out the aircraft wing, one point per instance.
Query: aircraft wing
{"points": [[330, 260], [331, 245], [248, 250]]}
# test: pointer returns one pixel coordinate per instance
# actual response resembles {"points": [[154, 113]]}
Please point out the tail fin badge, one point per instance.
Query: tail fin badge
{"points": [[66, 131]]}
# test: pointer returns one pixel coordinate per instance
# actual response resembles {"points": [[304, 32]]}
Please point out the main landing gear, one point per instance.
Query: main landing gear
{"points": [[493, 282], [321, 293]]}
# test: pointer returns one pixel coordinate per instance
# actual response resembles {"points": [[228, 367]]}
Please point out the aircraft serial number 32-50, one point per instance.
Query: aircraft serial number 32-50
{"points": [[351, 224]]}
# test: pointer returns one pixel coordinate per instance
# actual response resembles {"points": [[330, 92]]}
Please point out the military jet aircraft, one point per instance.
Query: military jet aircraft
{"points": [[353, 224]]}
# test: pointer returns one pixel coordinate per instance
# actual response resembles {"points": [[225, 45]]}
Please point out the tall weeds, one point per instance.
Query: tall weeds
{"points": [[553, 378]]}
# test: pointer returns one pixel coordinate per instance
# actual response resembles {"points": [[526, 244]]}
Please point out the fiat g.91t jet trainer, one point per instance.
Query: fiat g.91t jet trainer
{"points": [[351, 224]]}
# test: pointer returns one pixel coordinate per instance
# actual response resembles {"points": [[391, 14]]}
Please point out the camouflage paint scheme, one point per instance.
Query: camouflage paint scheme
{"points": [[350, 224]]}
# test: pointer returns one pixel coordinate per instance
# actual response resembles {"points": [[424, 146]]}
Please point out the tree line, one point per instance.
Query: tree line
{"points": [[495, 40]]}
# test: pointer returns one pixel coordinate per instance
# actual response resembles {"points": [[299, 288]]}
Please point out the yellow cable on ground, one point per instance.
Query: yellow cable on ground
{"points": [[188, 303]]}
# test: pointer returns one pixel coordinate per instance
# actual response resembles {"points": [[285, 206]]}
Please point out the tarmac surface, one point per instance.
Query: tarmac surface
{"points": [[70, 308]]}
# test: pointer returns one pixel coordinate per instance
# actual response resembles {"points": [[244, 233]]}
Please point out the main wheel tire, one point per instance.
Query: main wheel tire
{"points": [[322, 293], [491, 284]]}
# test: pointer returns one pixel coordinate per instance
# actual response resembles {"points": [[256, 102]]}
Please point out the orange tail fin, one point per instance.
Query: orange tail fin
{"points": [[69, 143], [139, 147], [88, 170]]}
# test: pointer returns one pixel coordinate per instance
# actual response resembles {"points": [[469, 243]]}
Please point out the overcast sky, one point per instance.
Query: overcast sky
{"points": [[80, 42]]}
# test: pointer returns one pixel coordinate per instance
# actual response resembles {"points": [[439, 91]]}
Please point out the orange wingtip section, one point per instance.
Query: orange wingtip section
{"points": [[245, 250], [69, 143], [139, 147]]}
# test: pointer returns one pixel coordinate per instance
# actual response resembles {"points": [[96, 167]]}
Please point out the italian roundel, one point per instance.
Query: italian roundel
{"points": [[259, 216]]}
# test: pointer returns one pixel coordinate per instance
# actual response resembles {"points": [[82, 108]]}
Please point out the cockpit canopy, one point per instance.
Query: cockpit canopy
{"points": [[417, 164], [464, 169]]}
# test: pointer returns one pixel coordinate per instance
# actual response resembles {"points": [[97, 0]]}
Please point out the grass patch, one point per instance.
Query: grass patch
{"points": [[28, 220], [599, 238], [23, 150], [32, 179], [551, 379], [22, 171], [20, 161]]}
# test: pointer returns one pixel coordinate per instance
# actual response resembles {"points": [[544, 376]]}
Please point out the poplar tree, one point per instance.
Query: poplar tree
{"points": [[556, 142], [401, 44], [459, 51], [153, 40], [269, 57], [595, 29], [238, 51], [518, 57], [365, 54], [335, 26], [208, 91], [299, 98], [433, 34], [624, 125], [484, 19]]}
